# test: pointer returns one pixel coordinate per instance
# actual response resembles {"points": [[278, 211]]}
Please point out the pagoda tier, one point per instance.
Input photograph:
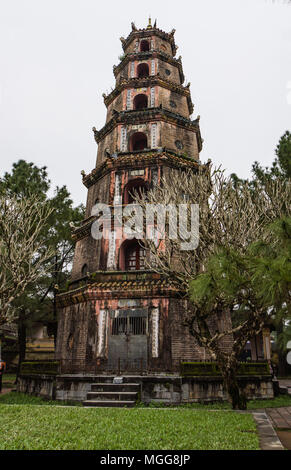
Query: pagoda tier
{"points": [[149, 108], [171, 95], [166, 64], [101, 182]]}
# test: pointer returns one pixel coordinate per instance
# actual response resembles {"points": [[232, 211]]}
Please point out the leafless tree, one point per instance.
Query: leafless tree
{"points": [[230, 216], [22, 254]]}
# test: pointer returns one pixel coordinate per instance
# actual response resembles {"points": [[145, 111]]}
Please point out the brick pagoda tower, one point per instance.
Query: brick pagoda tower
{"points": [[116, 315]]}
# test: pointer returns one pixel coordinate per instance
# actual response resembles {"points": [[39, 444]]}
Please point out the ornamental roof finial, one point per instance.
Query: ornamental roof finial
{"points": [[150, 23]]}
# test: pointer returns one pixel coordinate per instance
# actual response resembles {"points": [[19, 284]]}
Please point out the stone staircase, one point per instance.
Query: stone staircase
{"points": [[112, 395], [285, 386]]}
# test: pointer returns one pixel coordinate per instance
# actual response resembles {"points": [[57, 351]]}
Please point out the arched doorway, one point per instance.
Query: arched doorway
{"points": [[132, 256], [138, 141], [140, 101], [84, 270], [138, 186], [143, 70], [144, 46]]}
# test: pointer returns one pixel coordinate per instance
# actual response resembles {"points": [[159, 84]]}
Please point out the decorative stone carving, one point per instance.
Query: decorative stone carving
{"points": [[102, 321], [155, 332], [111, 260]]}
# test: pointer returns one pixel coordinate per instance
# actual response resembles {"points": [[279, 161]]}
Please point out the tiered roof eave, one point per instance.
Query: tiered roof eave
{"points": [[141, 116], [153, 53], [136, 82], [140, 158]]}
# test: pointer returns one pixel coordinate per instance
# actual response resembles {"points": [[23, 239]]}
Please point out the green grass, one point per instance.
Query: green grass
{"points": [[277, 402], [15, 398], [75, 428]]}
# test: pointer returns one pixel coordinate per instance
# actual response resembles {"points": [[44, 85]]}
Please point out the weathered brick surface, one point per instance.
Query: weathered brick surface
{"points": [[170, 134], [159, 44], [78, 333], [111, 142], [173, 101], [169, 71]]}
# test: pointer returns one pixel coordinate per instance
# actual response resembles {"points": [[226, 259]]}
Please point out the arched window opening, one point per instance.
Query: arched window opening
{"points": [[132, 256], [144, 46], [140, 101], [133, 188], [84, 270], [138, 141], [143, 70]]}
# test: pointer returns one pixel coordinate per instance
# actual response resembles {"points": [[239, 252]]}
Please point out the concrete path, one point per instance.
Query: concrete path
{"points": [[268, 438], [285, 382]]}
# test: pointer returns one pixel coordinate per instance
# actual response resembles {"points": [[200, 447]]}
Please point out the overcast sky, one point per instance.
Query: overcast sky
{"points": [[56, 59]]}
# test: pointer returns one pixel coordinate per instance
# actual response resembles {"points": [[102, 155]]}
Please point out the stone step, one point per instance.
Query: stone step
{"points": [[109, 403], [110, 387], [108, 379], [111, 395]]}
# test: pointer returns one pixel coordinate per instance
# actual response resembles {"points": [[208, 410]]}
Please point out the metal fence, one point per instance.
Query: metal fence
{"points": [[117, 367]]}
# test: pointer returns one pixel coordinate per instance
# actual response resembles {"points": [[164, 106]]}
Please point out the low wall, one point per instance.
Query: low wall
{"points": [[208, 389], [38, 385], [167, 389]]}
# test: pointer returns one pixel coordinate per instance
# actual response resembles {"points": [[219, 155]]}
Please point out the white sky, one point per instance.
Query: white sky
{"points": [[56, 59]]}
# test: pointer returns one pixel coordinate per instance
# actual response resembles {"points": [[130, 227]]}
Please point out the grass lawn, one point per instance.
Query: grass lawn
{"points": [[54, 427], [15, 398]]}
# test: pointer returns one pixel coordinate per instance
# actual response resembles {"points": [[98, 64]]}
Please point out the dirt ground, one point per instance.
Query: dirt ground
{"points": [[285, 438]]}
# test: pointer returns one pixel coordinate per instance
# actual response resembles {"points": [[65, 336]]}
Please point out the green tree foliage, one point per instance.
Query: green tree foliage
{"points": [[254, 286], [280, 170], [25, 179]]}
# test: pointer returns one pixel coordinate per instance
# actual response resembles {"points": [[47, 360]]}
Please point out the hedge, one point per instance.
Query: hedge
{"points": [[189, 369], [39, 368]]}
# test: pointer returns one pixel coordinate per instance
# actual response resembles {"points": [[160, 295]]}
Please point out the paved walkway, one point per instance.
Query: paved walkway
{"points": [[268, 438], [280, 417], [285, 382]]}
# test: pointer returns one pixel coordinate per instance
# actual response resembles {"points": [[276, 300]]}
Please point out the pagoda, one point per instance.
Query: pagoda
{"points": [[117, 316]]}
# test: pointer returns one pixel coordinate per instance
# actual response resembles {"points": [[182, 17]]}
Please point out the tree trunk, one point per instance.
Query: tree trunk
{"points": [[282, 363], [55, 324], [236, 395], [21, 343]]}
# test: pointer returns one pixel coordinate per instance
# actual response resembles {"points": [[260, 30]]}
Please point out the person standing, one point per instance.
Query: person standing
{"points": [[2, 369]]}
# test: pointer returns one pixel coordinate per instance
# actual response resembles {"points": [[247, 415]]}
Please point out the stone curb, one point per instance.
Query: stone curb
{"points": [[268, 438]]}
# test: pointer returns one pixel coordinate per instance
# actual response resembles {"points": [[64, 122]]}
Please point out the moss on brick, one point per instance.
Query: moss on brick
{"points": [[39, 368], [189, 369]]}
